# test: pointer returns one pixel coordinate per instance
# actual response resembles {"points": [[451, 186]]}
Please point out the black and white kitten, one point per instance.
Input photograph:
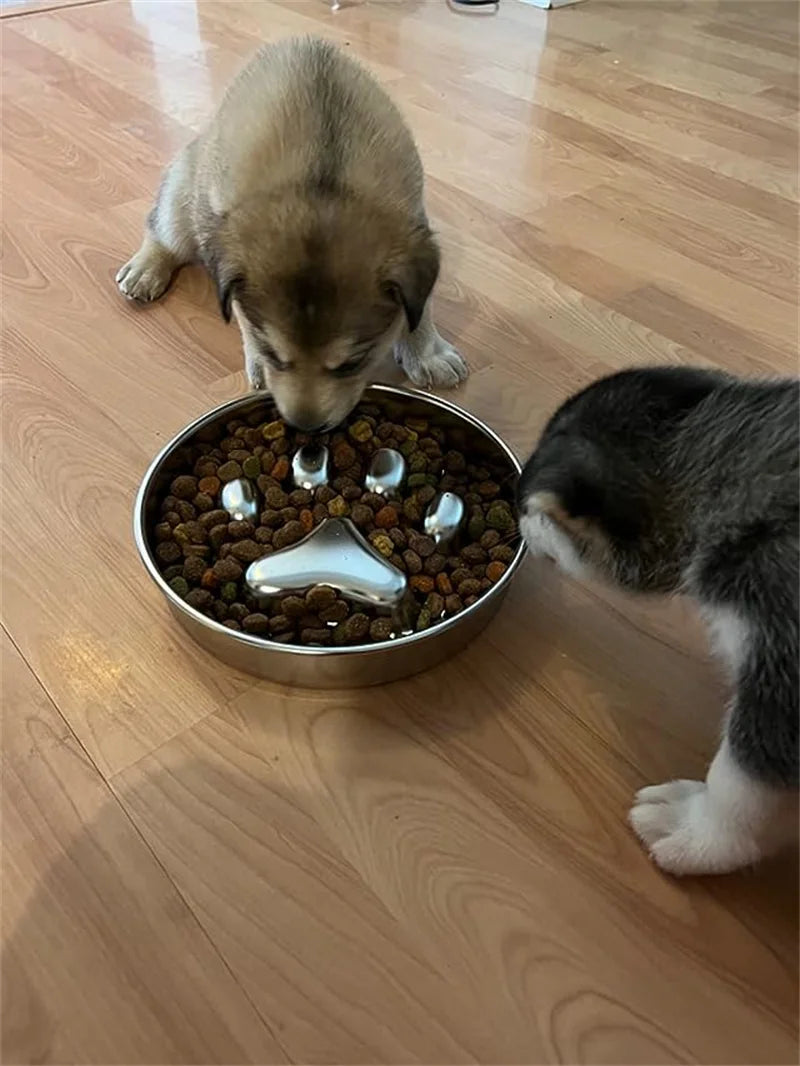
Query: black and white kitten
{"points": [[679, 480]]}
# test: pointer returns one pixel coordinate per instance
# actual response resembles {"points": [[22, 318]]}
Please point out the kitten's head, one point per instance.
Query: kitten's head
{"points": [[599, 494]]}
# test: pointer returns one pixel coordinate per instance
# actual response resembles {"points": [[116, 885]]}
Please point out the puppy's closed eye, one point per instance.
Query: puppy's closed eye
{"points": [[271, 356], [352, 366]]}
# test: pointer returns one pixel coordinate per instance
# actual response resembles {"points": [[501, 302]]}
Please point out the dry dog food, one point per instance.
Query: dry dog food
{"points": [[203, 554]]}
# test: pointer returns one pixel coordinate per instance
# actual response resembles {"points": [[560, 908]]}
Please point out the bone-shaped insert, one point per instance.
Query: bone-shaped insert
{"points": [[333, 554]]}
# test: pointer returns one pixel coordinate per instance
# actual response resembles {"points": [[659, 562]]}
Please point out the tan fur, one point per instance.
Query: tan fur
{"points": [[304, 200]]}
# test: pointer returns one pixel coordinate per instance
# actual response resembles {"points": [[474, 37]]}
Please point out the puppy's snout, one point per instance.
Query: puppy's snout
{"points": [[308, 424]]}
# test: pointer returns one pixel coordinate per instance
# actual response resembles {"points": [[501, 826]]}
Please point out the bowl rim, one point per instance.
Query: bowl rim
{"points": [[253, 641]]}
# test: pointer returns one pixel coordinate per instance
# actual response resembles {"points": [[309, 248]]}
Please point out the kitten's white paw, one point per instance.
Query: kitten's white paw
{"points": [[442, 367], [677, 824], [145, 277]]}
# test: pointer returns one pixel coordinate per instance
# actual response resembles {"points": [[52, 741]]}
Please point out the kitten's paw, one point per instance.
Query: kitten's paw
{"points": [[442, 367], [676, 823], [145, 277]]}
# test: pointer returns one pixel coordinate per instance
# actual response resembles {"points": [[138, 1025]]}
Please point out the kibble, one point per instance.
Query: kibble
{"points": [[203, 553]]}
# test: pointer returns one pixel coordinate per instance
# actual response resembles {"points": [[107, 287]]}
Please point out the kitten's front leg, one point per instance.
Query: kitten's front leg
{"points": [[728, 821]]}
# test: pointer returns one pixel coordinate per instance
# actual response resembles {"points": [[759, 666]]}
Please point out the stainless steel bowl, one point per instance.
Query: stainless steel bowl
{"points": [[316, 667]]}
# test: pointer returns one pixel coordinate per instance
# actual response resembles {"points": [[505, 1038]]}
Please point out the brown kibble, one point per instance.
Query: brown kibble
{"points": [[301, 498], [490, 539], [281, 468], [238, 611], [204, 468], [256, 623], [267, 462], [453, 604], [214, 518], [238, 530], [319, 597], [362, 515], [324, 494], [289, 514], [354, 629], [344, 455], [184, 487], [316, 636], [276, 498], [434, 564], [461, 573], [386, 517], [412, 561], [168, 551], [190, 533], [421, 544], [337, 612], [470, 587], [495, 570], [247, 551], [185, 510], [270, 518], [373, 500], [503, 553], [193, 569], [473, 553], [229, 471], [421, 583], [203, 502], [280, 623], [217, 536], [231, 623], [320, 512], [488, 489], [444, 584], [172, 518], [293, 606], [263, 536], [381, 629], [227, 569], [435, 605], [306, 520], [468, 602], [163, 531], [399, 539], [200, 599], [290, 534]]}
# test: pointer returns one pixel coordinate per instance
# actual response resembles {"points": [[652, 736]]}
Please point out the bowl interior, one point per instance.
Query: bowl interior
{"points": [[477, 441]]}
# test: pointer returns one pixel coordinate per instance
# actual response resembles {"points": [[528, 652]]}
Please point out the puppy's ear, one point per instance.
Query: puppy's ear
{"points": [[409, 277]]}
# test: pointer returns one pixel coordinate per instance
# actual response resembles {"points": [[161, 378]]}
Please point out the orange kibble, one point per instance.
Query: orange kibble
{"points": [[306, 520], [421, 583], [281, 468], [443, 584], [495, 570], [209, 579], [209, 484], [387, 517]]}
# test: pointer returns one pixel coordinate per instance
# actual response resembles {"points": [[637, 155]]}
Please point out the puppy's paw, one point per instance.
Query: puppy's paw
{"points": [[146, 276], [256, 375], [441, 366], [678, 825]]}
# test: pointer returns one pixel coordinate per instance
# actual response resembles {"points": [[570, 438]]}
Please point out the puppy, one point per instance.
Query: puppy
{"points": [[304, 201], [684, 480]]}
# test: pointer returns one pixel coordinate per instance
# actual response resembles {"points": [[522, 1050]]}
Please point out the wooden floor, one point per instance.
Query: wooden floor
{"points": [[201, 868]]}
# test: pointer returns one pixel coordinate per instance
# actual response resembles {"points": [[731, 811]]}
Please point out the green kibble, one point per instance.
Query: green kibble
{"points": [[251, 467], [383, 543], [416, 481], [499, 517], [476, 527], [229, 592], [180, 586], [273, 430], [418, 463], [360, 430], [338, 507], [423, 619]]}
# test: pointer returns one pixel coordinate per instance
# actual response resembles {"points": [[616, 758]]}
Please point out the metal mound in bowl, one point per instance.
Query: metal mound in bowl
{"points": [[325, 667]]}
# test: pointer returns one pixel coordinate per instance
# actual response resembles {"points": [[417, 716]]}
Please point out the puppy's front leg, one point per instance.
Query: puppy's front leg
{"points": [[168, 241], [427, 358]]}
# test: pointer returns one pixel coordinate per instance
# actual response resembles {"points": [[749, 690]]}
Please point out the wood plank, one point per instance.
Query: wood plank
{"points": [[103, 961]]}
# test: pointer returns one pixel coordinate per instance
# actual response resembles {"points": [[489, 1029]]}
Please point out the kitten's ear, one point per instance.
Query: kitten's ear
{"points": [[409, 276]]}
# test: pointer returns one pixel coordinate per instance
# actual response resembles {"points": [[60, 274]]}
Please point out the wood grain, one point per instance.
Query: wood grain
{"points": [[203, 868]]}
